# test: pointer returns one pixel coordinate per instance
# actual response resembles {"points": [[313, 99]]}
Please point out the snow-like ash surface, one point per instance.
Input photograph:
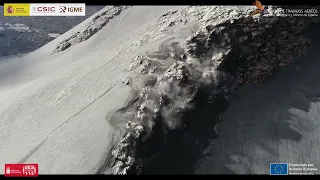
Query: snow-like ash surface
{"points": [[68, 110], [55, 108], [97, 22]]}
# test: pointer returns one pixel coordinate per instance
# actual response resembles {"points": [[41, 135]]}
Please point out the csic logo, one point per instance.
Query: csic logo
{"points": [[44, 9], [10, 10], [64, 9]]}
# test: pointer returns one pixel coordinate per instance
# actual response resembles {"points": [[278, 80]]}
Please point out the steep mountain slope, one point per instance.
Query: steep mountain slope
{"points": [[55, 108], [66, 105]]}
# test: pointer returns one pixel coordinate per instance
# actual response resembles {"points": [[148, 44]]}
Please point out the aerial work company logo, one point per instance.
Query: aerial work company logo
{"points": [[267, 11], [78, 9], [279, 169], [259, 7], [19, 170]]}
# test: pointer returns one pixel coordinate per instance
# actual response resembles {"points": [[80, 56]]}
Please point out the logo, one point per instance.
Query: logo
{"points": [[16, 10], [259, 7], [57, 9], [16, 170], [279, 168], [10, 10], [62, 9], [44, 9]]}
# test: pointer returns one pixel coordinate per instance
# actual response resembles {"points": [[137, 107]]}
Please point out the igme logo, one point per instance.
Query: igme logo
{"points": [[64, 9]]}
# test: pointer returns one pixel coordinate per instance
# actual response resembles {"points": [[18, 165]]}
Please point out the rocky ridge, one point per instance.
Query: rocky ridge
{"points": [[97, 22]]}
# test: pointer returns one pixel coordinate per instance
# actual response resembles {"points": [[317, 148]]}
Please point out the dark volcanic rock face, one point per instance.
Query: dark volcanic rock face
{"points": [[217, 59]]}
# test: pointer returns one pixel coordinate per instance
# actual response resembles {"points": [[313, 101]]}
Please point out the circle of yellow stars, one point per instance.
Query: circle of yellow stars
{"points": [[277, 167]]}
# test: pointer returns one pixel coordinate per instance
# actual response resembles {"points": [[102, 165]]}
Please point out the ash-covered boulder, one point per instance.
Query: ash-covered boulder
{"points": [[124, 153], [174, 72], [137, 61]]}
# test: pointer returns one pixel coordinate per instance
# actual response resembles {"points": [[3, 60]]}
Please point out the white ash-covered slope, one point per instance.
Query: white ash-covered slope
{"points": [[97, 22], [231, 45], [55, 108]]}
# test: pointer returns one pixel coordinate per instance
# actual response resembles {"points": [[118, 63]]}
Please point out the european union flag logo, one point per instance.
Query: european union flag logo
{"points": [[279, 168]]}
